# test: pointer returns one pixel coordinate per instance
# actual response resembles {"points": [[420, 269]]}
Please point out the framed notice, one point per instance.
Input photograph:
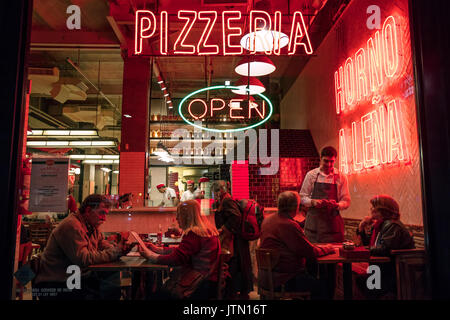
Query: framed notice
{"points": [[49, 179]]}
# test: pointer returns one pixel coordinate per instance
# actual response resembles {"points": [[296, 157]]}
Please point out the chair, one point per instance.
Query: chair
{"points": [[266, 260], [411, 274], [224, 256], [40, 232]]}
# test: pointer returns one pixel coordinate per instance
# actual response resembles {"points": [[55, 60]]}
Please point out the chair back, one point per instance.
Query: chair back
{"points": [[40, 232], [266, 260], [411, 276]]}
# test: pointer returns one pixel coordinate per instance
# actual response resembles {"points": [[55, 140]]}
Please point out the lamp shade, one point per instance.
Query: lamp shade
{"points": [[253, 84], [244, 97], [255, 66], [264, 40]]}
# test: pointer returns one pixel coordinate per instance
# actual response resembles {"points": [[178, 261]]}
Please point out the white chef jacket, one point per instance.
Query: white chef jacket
{"points": [[168, 196], [187, 195]]}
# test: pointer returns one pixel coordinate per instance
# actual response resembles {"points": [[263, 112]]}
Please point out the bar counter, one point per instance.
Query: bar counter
{"points": [[148, 219]]}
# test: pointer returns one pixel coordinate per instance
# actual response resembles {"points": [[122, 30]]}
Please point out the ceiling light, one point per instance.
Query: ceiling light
{"points": [[166, 94], [169, 101], [80, 143], [160, 80], [264, 40], [103, 161], [56, 132], [255, 66], [57, 143], [243, 83], [111, 156], [103, 143], [63, 133], [86, 144], [127, 116], [116, 171], [106, 169], [94, 156], [163, 88], [244, 97]]}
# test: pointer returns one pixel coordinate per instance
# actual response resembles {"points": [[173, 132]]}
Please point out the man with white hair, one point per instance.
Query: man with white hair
{"points": [[280, 232]]}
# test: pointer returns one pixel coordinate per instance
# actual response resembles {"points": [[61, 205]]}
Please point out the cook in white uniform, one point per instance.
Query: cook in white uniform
{"points": [[169, 196], [190, 194]]}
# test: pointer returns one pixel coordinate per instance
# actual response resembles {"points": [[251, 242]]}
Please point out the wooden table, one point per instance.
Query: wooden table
{"points": [[133, 264], [335, 258]]}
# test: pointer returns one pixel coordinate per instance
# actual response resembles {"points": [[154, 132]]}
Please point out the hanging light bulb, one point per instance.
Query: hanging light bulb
{"points": [[264, 40], [251, 83], [255, 66]]}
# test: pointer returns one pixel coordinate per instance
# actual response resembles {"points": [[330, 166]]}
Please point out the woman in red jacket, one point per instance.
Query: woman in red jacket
{"points": [[197, 254]]}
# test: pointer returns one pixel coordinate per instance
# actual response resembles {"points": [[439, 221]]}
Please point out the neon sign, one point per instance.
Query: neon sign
{"points": [[231, 26], [368, 68], [235, 109], [376, 138]]}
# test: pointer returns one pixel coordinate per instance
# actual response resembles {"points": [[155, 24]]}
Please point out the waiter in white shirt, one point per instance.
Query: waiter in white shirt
{"points": [[169, 196], [189, 194], [325, 193]]}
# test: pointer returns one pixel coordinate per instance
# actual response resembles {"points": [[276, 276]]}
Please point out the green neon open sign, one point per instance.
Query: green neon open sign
{"points": [[180, 106]]}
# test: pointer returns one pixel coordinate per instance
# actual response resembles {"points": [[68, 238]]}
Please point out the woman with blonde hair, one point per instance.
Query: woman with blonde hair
{"points": [[197, 256]]}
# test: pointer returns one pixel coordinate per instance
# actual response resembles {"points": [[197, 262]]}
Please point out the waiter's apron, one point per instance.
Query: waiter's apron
{"points": [[322, 224]]}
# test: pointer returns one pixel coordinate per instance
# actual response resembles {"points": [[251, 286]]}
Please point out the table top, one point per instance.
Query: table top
{"points": [[126, 263], [336, 258]]}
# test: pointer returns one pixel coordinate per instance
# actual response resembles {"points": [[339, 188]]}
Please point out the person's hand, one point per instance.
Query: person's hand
{"points": [[333, 204], [148, 254], [328, 248], [317, 203], [126, 247], [366, 221], [153, 247]]}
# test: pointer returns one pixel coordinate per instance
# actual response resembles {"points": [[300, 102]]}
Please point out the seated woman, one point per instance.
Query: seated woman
{"points": [[382, 232], [197, 255]]}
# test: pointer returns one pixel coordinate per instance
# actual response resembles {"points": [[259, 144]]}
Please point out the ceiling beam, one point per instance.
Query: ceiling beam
{"points": [[117, 31], [79, 38]]}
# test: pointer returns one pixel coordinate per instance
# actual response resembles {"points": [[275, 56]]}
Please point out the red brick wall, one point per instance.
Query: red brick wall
{"points": [[240, 180]]}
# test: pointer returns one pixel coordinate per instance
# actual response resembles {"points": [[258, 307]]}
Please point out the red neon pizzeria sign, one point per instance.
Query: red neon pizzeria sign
{"points": [[230, 24], [376, 138]]}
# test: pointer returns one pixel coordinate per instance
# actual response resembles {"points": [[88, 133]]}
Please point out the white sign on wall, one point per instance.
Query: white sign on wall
{"points": [[49, 179]]}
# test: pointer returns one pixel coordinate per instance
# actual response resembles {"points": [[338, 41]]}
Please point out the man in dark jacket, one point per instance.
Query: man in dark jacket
{"points": [[228, 222]]}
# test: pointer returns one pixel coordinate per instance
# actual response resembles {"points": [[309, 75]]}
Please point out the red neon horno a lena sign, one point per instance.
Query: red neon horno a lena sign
{"points": [[230, 24], [376, 138]]}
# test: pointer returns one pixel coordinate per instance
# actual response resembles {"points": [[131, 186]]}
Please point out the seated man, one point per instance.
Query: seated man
{"points": [[77, 241], [282, 233]]}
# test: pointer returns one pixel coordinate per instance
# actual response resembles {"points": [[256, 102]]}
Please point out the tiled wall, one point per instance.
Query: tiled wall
{"points": [[298, 155]]}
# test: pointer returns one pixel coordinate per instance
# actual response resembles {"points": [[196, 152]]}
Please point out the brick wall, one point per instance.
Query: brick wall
{"points": [[298, 155]]}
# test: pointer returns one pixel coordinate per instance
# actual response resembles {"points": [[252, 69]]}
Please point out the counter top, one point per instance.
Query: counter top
{"points": [[145, 210], [168, 210]]}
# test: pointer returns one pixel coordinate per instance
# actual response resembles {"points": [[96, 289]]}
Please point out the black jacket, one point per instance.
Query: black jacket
{"points": [[393, 236]]}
